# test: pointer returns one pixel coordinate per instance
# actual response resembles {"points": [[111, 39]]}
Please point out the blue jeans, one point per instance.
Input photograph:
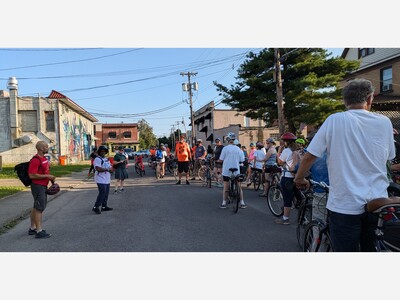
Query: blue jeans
{"points": [[102, 198], [350, 233]]}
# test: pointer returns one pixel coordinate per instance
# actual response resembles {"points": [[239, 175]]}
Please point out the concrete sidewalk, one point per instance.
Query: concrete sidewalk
{"points": [[18, 206]]}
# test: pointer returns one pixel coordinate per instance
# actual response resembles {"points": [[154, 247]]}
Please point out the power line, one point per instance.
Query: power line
{"points": [[52, 49], [71, 61]]}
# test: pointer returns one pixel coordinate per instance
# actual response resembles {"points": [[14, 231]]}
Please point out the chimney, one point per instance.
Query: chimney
{"points": [[12, 85]]}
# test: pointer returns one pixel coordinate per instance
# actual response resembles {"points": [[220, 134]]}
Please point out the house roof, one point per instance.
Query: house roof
{"points": [[67, 101]]}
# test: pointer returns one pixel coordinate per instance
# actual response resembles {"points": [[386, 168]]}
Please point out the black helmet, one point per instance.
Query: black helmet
{"points": [[102, 148], [54, 189]]}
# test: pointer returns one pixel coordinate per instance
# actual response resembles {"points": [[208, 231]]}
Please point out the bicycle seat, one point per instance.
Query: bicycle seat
{"points": [[233, 169], [378, 204]]}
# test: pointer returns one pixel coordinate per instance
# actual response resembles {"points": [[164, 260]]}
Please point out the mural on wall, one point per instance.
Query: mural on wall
{"points": [[76, 132]]}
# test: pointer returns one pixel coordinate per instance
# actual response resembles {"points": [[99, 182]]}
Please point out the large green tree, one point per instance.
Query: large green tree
{"points": [[146, 135], [310, 86]]}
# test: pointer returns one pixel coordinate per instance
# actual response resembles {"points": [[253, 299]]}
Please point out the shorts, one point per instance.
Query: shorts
{"points": [[226, 178], [121, 173], [39, 196], [183, 166]]}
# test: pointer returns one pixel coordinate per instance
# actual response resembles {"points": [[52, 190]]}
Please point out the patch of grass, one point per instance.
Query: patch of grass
{"points": [[56, 170], [9, 190]]}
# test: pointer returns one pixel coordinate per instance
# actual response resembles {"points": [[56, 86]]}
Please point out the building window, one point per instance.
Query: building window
{"points": [[363, 52], [49, 117], [386, 79], [28, 120], [112, 134], [127, 135], [246, 121]]}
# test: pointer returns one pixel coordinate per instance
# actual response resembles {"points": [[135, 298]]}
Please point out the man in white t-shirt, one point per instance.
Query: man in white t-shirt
{"points": [[231, 157], [358, 144]]}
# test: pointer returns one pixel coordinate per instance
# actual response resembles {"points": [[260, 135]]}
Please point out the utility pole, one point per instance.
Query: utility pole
{"points": [[187, 87], [279, 92]]}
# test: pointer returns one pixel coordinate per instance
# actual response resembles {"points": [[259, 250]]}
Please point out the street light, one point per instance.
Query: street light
{"points": [[187, 87]]}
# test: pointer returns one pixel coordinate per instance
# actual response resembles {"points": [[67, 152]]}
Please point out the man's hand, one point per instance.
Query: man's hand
{"points": [[302, 183], [52, 178]]}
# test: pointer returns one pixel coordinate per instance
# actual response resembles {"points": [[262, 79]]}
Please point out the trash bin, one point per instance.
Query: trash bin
{"points": [[63, 160]]}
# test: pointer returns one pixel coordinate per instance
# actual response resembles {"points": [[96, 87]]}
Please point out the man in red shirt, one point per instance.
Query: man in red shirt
{"points": [[39, 172]]}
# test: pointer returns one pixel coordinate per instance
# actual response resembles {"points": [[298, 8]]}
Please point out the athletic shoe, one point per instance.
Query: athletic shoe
{"points": [[282, 221], [96, 210], [42, 234], [121, 190], [32, 231], [243, 206], [222, 206], [179, 182], [106, 208], [115, 192], [187, 182]]}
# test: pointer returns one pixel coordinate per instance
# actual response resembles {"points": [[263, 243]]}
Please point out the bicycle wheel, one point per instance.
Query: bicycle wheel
{"points": [[256, 180], [275, 200], [317, 238], [202, 173], [303, 219], [208, 176], [157, 172], [236, 197]]}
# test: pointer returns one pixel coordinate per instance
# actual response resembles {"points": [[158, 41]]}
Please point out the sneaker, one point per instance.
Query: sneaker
{"points": [[121, 190], [282, 221], [96, 210], [243, 206], [32, 231], [42, 234], [193, 178], [106, 208], [115, 192], [179, 182], [222, 206], [187, 182]]}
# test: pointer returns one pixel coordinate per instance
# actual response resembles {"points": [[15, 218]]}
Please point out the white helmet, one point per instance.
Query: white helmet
{"points": [[230, 136]]}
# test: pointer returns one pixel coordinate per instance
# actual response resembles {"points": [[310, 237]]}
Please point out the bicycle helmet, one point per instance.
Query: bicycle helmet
{"points": [[53, 189], [236, 142], [271, 140], [252, 144], [230, 136], [259, 145], [300, 141], [102, 148], [288, 136]]}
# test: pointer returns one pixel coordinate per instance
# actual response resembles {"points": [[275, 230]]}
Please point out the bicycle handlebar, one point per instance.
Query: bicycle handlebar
{"points": [[320, 184]]}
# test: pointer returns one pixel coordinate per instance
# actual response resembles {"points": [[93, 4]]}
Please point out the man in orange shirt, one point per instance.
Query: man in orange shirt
{"points": [[183, 154]]}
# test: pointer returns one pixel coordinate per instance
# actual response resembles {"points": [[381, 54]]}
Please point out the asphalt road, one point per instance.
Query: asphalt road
{"points": [[154, 216]]}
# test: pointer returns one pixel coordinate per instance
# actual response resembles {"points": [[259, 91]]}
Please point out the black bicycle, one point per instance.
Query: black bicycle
{"points": [[234, 190], [304, 217], [256, 178]]}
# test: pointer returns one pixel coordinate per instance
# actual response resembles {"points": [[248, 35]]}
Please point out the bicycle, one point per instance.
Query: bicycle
{"points": [[206, 173], [157, 167], [384, 212], [256, 178], [274, 193], [305, 214], [139, 168], [234, 190]]}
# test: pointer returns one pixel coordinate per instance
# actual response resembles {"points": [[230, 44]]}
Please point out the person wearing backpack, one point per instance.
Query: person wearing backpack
{"points": [[39, 173], [102, 177]]}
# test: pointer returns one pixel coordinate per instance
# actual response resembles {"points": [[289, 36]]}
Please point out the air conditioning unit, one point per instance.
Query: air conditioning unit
{"points": [[386, 87]]}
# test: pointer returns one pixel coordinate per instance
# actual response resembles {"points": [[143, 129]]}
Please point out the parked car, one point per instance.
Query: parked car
{"points": [[130, 153], [145, 153]]}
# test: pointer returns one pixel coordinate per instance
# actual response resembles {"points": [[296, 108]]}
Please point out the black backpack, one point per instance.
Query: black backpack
{"points": [[22, 171]]}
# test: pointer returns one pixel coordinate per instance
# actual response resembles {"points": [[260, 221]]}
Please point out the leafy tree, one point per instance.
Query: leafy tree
{"points": [[146, 135], [310, 86]]}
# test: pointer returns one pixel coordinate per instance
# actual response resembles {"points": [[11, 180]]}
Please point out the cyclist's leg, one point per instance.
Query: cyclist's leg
{"points": [[225, 192], [345, 231], [287, 193]]}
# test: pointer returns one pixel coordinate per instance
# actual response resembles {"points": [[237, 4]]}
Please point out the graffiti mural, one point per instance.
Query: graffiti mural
{"points": [[75, 137]]}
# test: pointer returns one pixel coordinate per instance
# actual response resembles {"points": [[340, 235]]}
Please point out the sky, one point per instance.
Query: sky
{"points": [[127, 84], [158, 28]]}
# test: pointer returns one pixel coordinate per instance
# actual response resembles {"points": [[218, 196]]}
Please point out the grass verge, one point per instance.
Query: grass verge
{"points": [[9, 190]]}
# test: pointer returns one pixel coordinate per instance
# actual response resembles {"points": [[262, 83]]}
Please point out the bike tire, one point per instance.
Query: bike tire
{"points": [[317, 238], [303, 219], [208, 176], [202, 173], [236, 197], [275, 200], [256, 181]]}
